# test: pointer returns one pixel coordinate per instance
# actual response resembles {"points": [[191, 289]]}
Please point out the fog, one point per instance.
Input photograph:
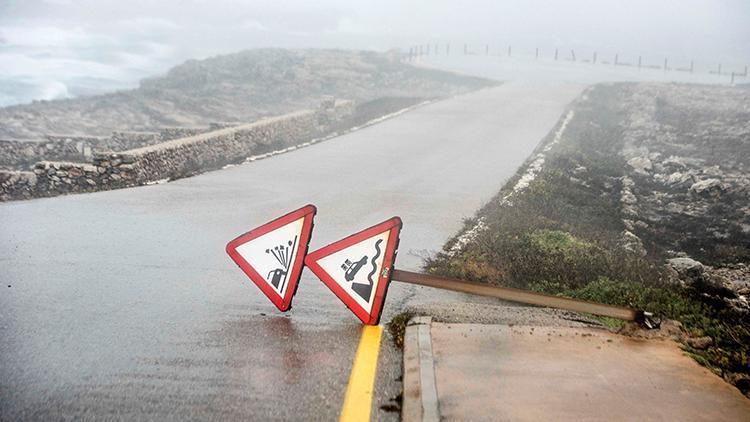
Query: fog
{"points": [[61, 48]]}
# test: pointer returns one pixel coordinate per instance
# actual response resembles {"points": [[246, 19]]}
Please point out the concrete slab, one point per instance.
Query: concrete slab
{"points": [[501, 372]]}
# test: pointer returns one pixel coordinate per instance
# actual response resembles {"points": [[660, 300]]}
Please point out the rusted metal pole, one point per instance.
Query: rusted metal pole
{"points": [[518, 295]]}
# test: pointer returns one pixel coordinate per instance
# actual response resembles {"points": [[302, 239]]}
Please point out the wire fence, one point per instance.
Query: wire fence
{"points": [[731, 74]]}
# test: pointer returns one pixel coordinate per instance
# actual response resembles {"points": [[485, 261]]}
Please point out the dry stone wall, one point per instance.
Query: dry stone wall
{"points": [[172, 159], [23, 154]]}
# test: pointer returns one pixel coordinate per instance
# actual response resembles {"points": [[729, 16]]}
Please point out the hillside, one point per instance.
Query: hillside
{"points": [[235, 87]]}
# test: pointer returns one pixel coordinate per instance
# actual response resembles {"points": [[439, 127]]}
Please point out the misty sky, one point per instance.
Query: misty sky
{"points": [[60, 48]]}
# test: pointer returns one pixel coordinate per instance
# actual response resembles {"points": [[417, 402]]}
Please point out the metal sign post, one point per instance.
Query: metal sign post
{"points": [[518, 295]]}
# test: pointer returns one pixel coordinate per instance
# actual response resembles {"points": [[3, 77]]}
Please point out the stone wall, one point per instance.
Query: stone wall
{"points": [[23, 154], [172, 159]]}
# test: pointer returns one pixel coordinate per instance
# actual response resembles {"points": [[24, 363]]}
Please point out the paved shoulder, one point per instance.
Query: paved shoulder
{"points": [[502, 372]]}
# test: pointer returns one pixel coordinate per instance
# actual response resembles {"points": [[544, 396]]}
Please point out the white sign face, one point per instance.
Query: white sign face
{"points": [[357, 268], [272, 254]]}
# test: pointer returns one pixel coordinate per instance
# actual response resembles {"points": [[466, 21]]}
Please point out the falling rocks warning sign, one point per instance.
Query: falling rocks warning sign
{"points": [[272, 255]]}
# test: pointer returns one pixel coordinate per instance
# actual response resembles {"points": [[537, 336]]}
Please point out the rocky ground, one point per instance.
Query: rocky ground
{"points": [[687, 189], [640, 197], [240, 87]]}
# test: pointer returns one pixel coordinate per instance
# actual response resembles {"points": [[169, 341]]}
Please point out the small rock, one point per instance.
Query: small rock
{"points": [[678, 178], [700, 343], [708, 186], [640, 164], [714, 171]]}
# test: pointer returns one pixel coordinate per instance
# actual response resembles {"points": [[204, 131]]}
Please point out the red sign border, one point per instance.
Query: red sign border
{"points": [[311, 260], [283, 303]]}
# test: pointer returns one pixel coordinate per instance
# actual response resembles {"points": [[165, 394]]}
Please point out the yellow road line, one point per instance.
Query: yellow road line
{"points": [[358, 400]]}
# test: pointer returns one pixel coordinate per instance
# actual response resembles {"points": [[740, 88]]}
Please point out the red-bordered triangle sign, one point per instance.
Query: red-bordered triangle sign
{"points": [[358, 268], [272, 255]]}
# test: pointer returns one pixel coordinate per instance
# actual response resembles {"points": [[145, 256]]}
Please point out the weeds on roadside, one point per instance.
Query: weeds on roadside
{"points": [[397, 327]]}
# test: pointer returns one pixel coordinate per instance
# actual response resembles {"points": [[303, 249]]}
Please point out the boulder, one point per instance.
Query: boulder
{"points": [[685, 265]]}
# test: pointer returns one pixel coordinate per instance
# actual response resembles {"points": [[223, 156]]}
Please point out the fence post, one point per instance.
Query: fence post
{"points": [[536, 54], [508, 51], [732, 82], [594, 57], [486, 49], [639, 62], [447, 48], [573, 54], [466, 49], [665, 64], [691, 66], [616, 57], [555, 54]]}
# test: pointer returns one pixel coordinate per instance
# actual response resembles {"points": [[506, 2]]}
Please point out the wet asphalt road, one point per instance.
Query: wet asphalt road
{"points": [[123, 304]]}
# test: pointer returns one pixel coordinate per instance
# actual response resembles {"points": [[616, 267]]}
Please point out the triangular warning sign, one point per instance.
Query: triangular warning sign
{"points": [[272, 255], [358, 268]]}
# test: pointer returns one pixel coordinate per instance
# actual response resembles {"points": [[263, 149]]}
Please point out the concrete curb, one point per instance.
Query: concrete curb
{"points": [[420, 401]]}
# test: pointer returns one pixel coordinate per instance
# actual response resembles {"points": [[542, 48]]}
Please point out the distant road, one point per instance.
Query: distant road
{"points": [[123, 304]]}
